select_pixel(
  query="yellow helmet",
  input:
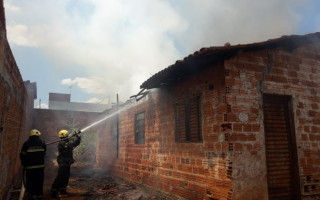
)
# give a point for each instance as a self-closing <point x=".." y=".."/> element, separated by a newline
<point x="63" y="133"/>
<point x="34" y="132"/>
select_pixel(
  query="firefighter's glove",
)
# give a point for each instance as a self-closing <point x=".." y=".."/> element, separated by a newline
<point x="78" y="134"/>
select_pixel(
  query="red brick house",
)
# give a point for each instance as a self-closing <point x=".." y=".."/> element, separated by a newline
<point x="233" y="122"/>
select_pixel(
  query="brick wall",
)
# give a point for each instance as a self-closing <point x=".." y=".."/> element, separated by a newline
<point x="14" y="107"/>
<point x="230" y="163"/>
<point x="245" y="119"/>
<point x="282" y="72"/>
<point x="191" y="170"/>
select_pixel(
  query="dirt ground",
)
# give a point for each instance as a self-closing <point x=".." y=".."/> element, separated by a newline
<point x="90" y="183"/>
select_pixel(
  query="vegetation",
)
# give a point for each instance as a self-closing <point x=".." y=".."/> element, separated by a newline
<point x="86" y="151"/>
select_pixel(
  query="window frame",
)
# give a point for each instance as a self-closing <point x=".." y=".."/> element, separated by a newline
<point x="188" y="123"/>
<point x="138" y="128"/>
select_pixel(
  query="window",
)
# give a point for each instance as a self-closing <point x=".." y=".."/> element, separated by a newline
<point x="139" y="129"/>
<point x="188" y="120"/>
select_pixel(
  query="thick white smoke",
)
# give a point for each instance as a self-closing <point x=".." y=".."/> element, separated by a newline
<point x="117" y="45"/>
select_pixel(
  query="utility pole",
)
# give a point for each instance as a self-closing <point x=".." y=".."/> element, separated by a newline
<point x="117" y="125"/>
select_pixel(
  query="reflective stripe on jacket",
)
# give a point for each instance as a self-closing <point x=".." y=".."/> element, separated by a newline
<point x="34" y="167"/>
<point x="36" y="150"/>
<point x="32" y="153"/>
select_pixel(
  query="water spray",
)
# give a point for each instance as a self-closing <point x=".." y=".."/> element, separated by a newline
<point x="93" y="124"/>
<point x="137" y="97"/>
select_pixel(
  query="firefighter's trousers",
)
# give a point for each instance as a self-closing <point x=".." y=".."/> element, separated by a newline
<point x="62" y="179"/>
<point x="34" y="183"/>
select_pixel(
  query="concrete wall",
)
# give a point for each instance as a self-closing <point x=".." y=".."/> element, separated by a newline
<point x="230" y="163"/>
<point x="77" y="106"/>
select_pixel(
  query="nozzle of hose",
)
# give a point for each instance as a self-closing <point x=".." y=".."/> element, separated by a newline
<point x="77" y="133"/>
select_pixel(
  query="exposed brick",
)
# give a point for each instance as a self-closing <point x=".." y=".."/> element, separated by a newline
<point x="304" y="137"/>
<point x="237" y="146"/>
<point x="237" y="127"/>
<point x="227" y="89"/>
<point x="16" y="103"/>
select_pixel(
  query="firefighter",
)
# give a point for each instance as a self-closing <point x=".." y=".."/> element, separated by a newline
<point x="64" y="159"/>
<point x="32" y="159"/>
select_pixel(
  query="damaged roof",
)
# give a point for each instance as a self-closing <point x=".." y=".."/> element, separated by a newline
<point x="206" y="57"/>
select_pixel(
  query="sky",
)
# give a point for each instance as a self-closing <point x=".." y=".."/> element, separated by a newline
<point x="96" y="49"/>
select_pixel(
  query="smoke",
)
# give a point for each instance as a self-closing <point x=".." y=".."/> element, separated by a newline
<point x="239" y="21"/>
<point x="107" y="47"/>
<point x="95" y="85"/>
<point x="95" y="100"/>
<point x="124" y="107"/>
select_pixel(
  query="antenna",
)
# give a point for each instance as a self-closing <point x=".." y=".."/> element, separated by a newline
<point x="70" y="88"/>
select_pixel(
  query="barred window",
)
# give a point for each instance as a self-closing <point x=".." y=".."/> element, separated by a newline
<point x="188" y="120"/>
<point x="139" y="136"/>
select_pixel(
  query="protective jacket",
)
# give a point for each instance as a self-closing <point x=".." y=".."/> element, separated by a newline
<point x="32" y="153"/>
<point x="65" y="159"/>
<point x="65" y="148"/>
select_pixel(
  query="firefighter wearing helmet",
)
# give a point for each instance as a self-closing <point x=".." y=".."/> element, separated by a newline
<point x="64" y="159"/>
<point x="32" y="159"/>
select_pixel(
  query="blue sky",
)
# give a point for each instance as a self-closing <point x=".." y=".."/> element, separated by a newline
<point x="103" y="47"/>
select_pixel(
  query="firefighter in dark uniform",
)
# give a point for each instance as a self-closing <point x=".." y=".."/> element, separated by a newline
<point x="32" y="159"/>
<point x="64" y="159"/>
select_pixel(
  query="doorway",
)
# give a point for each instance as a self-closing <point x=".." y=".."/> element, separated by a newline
<point x="281" y="151"/>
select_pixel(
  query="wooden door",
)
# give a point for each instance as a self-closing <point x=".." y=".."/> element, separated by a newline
<point x="281" y="153"/>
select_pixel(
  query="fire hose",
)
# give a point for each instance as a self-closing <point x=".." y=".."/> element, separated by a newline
<point x="66" y="138"/>
<point x="23" y="186"/>
<point x="93" y="124"/>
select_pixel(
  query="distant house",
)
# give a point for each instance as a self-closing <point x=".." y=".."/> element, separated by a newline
<point x="59" y="101"/>
<point x="231" y="122"/>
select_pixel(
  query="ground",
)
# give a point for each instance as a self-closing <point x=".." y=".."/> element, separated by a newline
<point x="90" y="183"/>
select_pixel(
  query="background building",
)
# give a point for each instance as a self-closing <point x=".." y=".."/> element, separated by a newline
<point x="58" y="101"/>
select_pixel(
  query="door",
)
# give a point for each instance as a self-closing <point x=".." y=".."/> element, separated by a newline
<point x="281" y="153"/>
